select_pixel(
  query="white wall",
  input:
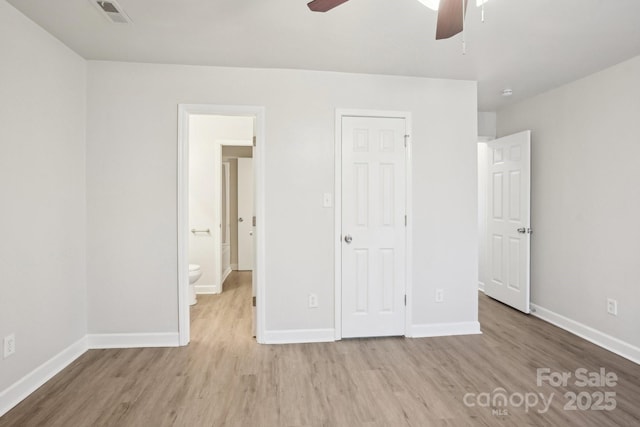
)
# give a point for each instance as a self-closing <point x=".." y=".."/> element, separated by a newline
<point x="42" y="188"/>
<point x="586" y="197"/>
<point x="205" y="134"/>
<point x="131" y="160"/>
<point x="487" y="124"/>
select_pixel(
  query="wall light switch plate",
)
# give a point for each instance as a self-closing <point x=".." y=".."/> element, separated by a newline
<point x="327" y="200"/>
<point x="313" y="301"/>
<point x="9" y="345"/>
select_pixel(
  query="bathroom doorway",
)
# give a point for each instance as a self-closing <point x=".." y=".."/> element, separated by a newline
<point x="213" y="140"/>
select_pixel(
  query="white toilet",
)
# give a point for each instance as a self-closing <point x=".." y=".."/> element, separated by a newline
<point x="194" y="275"/>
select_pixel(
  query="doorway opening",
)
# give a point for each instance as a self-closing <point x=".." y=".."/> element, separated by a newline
<point x="504" y="219"/>
<point x="213" y="141"/>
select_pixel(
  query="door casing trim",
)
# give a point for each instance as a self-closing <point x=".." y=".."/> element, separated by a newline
<point x="340" y="113"/>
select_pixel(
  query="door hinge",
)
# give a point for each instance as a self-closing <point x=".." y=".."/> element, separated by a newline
<point x="405" y="220"/>
<point x="406" y="140"/>
<point x="254" y="221"/>
<point x="405" y="299"/>
<point x="254" y="141"/>
<point x="254" y="301"/>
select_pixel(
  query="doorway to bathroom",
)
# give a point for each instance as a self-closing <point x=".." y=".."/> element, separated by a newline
<point x="220" y="207"/>
<point x="220" y="147"/>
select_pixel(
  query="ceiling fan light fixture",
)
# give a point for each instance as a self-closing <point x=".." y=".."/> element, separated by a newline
<point x="434" y="4"/>
<point x="431" y="4"/>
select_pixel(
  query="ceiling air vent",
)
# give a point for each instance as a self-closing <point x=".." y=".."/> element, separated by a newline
<point x="112" y="11"/>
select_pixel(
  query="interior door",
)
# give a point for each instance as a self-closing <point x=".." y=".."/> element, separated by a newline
<point x="245" y="214"/>
<point x="373" y="226"/>
<point x="508" y="222"/>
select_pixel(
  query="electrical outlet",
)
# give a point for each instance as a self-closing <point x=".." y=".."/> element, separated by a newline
<point x="9" y="345"/>
<point x="612" y="306"/>
<point x="313" y="301"/>
<point x="439" y="295"/>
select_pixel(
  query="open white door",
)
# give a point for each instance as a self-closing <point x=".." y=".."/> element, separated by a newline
<point x="373" y="226"/>
<point x="245" y="214"/>
<point x="508" y="222"/>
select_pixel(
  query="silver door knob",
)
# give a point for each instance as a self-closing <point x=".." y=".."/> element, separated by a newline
<point x="240" y="220"/>
<point x="348" y="239"/>
<point x="522" y="230"/>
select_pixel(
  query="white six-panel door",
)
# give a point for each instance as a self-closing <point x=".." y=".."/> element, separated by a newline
<point x="373" y="226"/>
<point x="508" y="222"/>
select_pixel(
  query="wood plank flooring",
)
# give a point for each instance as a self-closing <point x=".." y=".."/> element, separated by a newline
<point x="223" y="378"/>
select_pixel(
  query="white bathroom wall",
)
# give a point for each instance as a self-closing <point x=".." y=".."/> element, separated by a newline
<point x="586" y="202"/>
<point x="42" y="189"/>
<point x="204" y="134"/>
<point x="131" y="160"/>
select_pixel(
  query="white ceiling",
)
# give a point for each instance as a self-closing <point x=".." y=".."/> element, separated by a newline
<point x="529" y="46"/>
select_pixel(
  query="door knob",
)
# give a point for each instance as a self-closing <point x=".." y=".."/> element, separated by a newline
<point x="348" y="239"/>
<point x="522" y="230"/>
<point x="240" y="220"/>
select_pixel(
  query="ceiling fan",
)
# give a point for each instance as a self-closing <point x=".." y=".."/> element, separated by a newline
<point x="450" y="15"/>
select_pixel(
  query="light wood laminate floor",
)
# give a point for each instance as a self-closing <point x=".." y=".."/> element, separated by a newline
<point x="223" y="378"/>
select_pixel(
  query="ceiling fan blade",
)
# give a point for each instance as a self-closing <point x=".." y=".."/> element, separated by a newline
<point x="324" y="5"/>
<point x="449" y="18"/>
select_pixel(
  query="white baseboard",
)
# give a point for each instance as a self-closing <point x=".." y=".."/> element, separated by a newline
<point x="206" y="290"/>
<point x="481" y="286"/>
<point x="615" y="345"/>
<point x="22" y="388"/>
<point x="169" y="339"/>
<point x="294" y="336"/>
<point x="444" y="329"/>
<point x="226" y="274"/>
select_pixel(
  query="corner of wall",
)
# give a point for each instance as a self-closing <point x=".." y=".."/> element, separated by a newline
<point x="22" y="388"/>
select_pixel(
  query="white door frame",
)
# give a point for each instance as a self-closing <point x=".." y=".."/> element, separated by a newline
<point x="184" y="111"/>
<point x="340" y="113"/>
